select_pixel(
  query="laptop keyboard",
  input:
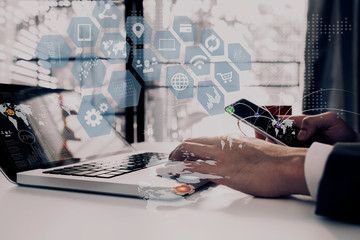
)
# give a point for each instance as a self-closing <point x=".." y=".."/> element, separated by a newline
<point x="109" y="169"/>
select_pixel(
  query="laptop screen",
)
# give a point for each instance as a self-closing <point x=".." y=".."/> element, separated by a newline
<point x="40" y="128"/>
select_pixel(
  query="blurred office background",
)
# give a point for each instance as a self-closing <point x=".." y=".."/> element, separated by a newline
<point x="273" y="32"/>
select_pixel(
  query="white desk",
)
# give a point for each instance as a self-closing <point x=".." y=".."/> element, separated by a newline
<point x="215" y="213"/>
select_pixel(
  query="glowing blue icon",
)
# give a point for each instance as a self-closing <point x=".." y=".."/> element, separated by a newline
<point x="185" y="29"/>
<point x="212" y="42"/>
<point x="124" y="88"/>
<point x="167" y="45"/>
<point x="211" y="98"/>
<point x="179" y="82"/>
<point x="114" y="46"/>
<point x="198" y="61"/>
<point x="96" y="115"/>
<point x="256" y="115"/>
<point x="89" y="70"/>
<point x="146" y="64"/>
<point x="239" y="56"/>
<point x="53" y="52"/>
<point x="227" y="76"/>
<point x="107" y="14"/>
<point x="138" y="30"/>
<point x="83" y="32"/>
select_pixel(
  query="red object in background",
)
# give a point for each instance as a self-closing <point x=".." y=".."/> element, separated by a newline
<point x="279" y="110"/>
<point x="276" y="110"/>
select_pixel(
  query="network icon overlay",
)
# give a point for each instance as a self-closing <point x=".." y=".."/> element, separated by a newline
<point x="192" y="53"/>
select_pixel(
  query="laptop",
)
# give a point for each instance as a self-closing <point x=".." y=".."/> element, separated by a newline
<point x="43" y="144"/>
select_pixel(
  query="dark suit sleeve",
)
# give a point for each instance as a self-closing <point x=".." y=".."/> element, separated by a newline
<point x="339" y="190"/>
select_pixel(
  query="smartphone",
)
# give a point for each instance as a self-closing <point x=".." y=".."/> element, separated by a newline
<point x="280" y="130"/>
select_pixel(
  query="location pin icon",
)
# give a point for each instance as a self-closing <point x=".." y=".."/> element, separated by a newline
<point x="138" y="29"/>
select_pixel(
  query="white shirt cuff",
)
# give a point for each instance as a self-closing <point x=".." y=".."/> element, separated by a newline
<point x="315" y="161"/>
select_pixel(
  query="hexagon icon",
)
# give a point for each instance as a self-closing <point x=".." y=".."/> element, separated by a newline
<point x="114" y="46"/>
<point x="107" y="14"/>
<point x="146" y="64"/>
<point x="89" y="70"/>
<point x="198" y="61"/>
<point x="124" y="88"/>
<point x="96" y="115"/>
<point x="212" y="42"/>
<point x="53" y="52"/>
<point x="239" y="56"/>
<point x="185" y="28"/>
<point x="83" y="32"/>
<point x="138" y="30"/>
<point x="227" y="76"/>
<point x="211" y="98"/>
<point x="167" y="45"/>
<point x="179" y="82"/>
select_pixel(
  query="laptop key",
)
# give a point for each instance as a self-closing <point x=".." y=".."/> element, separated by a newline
<point x="109" y="169"/>
<point x="57" y="171"/>
<point x="82" y="173"/>
<point x="94" y="174"/>
<point x="120" y="171"/>
<point x="69" y="172"/>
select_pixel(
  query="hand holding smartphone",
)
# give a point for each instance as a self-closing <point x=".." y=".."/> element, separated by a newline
<point x="280" y="130"/>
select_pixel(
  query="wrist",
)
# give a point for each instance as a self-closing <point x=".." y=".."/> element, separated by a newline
<point x="294" y="172"/>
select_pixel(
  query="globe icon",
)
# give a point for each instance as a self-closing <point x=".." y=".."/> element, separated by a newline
<point x="179" y="81"/>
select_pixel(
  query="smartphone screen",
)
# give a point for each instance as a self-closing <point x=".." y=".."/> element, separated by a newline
<point x="280" y="130"/>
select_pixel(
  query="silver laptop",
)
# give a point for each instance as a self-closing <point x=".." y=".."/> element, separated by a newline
<point x="43" y="144"/>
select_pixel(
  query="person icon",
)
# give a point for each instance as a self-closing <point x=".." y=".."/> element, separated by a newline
<point x="138" y="64"/>
<point x="148" y="68"/>
<point x="154" y="61"/>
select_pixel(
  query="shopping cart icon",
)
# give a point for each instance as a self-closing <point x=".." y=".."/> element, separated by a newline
<point x="226" y="77"/>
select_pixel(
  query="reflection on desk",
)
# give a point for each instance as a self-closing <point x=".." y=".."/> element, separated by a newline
<point x="216" y="212"/>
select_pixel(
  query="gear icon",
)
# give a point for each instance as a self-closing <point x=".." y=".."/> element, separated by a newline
<point x="93" y="117"/>
<point x="103" y="107"/>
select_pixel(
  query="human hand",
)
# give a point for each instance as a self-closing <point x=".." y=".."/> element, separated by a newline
<point x="246" y="164"/>
<point x="326" y="128"/>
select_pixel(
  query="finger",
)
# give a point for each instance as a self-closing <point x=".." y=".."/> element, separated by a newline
<point x="173" y="151"/>
<point x="172" y="169"/>
<point x="200" y="166"/>
<point x="204" y="140"/>
<point x="312" y="124"/>
<point x="193" y="151"/>
<point x="200" y="169"/>
<point x="181" y="153"/>
<point x="200" y="140"/>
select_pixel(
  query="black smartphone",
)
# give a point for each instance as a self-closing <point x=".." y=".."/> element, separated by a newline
<point x="280" y="130"/>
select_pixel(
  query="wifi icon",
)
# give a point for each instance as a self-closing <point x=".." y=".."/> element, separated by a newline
<point x="197" y="60"/>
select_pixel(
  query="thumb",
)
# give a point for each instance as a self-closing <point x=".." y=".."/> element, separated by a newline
<point x="312" y="124"/>
<point x="309" y="127"/>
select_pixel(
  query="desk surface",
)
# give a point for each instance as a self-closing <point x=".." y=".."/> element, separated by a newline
<point x="214" y="213"/>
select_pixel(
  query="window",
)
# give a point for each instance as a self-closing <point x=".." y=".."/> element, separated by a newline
<point x="272" y="32"/>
